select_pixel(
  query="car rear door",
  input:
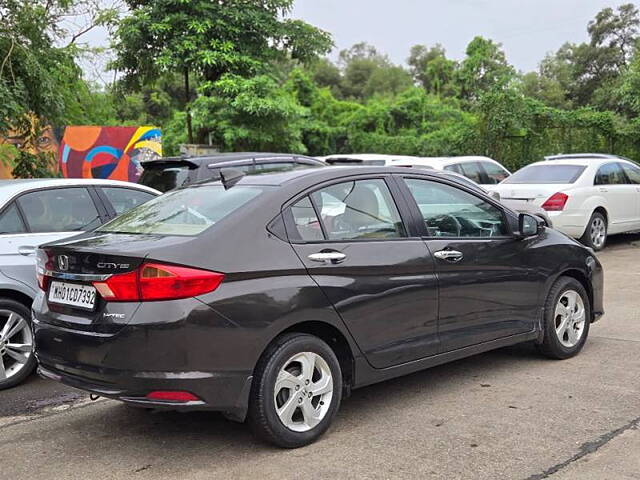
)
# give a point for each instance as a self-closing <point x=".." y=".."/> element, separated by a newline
<point x="487" y="282"/>
<point x="118" y="200"/>
<point x="632" y="173"/>
<point x="621" y="197"/>
<point x="352" y="238"/>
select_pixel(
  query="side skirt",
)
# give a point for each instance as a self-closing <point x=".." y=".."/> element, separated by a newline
<point x="367" y="375"/>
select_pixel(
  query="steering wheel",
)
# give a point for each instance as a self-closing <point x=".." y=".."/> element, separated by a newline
<point x="447" y="223"/>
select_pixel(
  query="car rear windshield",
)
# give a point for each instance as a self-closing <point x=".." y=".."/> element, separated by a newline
<point x="185" y="212"/>
<point x="165" y="177"/>
<point x="547" y="174"/>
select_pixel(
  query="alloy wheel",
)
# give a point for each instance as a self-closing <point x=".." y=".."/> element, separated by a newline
<point x="303" y="391"/>
<point x="16" y="344"/>
<point x="598" y="232"/>
<point x="570" y="317"/>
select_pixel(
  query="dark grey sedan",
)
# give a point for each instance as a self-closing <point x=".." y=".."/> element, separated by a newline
<point x="271" y="297"/>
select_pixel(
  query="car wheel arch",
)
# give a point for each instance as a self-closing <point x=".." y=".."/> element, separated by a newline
<point x="332" y="336"/>
<point x="16" y="295"/>
<point x="577" y="275"/>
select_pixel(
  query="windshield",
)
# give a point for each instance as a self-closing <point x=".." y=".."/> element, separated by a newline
<point x="547" y="174"/>
<point x="165" y="178"/>
<point x="185" y="212"/>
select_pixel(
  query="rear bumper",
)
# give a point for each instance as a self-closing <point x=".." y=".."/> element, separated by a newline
<point x="228" y="394"/>
<point x="570" y="223"/>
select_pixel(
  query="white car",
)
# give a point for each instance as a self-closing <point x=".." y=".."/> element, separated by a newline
<point x="587" y="196"/>
<point x="482" y="170"/>
<point x="33" y="212"/>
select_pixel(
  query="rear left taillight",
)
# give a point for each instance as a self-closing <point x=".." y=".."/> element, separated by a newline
<point x="155" y="281"/>
<point x="556" y="202"/>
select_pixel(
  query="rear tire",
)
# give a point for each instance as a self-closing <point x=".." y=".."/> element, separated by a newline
<point x="296" y="391"/>
<point x="17" y="360"/>
<point x="567" y="317"/>
<point x="595" y="235"/>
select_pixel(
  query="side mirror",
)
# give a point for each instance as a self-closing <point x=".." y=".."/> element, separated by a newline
<point x="529" y="226"/>
<point x="495" y="195"/>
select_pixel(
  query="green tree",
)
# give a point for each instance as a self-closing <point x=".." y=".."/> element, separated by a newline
<point x="207" y="40"/>
<point x="432" y="69"/>
<point x="484" y="68"/>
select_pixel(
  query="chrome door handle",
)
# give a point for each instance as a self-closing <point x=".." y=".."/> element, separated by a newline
<point x="324" y="257"/>
<point x="26" y="250"/>
<point x="449" y="255"/>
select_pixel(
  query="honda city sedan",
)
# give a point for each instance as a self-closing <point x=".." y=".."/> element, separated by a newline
<point x="270" y="297"/>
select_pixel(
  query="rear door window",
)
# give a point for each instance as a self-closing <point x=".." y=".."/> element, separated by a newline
<point x="359" y="210"/>
<point x="10" y="221"/>
<point x="473" y="171"/>
<point x="306" y="221"/>
<point x="610" y="174"/>
<point x="59" y="210"/>
<point x="123" y="199"/>
<point x="632" y="172"/>
<point x="495" y="173"/>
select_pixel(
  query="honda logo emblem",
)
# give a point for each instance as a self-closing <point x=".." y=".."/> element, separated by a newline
<point x="63" y="262"/>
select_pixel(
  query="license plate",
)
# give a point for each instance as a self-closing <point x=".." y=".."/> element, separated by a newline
<point x="83" y="296"/>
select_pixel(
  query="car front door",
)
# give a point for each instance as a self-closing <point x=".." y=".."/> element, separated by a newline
<point x="354" y="243"/>
<point x="612" y="184"/>
<point x="44" y="216"/>
<point x="487" y="286"/>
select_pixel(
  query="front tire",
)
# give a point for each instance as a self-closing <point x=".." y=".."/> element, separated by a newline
<point x="17" y="360"/>
<point x="595" y="236"/>
<point x="296" y="391"/>
<point x="567" y="317"/>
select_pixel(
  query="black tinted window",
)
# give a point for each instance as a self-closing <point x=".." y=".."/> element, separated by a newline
<point x="165" y="178"/>
<point x="610" y="174"/>
<point x="547" y="173"/>
<point x="451" y="212"/>
<point x="123" y="199"/>
<point x="473" y="171"/>
<point x="59" y="210"/>
<point x="10" y="221"/>
<point x="306" y="221"/>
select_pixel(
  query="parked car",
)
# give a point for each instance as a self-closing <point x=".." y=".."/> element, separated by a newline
<point x="174" y="172"/>
<point x="270" y="297"/>
<point x="33" y="212"/>
<point x="588" y="196"/>
<point x="482" y="170"/>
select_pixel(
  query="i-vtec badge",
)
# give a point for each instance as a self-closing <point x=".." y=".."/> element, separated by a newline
<point x="113" y="315"/>
<point x="113" y="266"/>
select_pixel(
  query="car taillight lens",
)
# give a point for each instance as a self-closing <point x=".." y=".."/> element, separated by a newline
<point x="556" y="202"/>
<point x="154" y="281"/>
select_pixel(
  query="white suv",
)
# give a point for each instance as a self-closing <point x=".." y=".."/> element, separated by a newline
<point x="587" y="196"/>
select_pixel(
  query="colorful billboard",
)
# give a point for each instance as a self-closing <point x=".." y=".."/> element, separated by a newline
<point x="116" y="153"/>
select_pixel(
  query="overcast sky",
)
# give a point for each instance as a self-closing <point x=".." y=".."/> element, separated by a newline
<point x="528" y="29"/>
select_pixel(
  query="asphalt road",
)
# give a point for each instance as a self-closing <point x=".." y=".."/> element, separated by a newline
<point x="506" y="414"/>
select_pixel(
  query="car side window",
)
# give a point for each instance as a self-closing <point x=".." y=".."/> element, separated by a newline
<point x="10" y="221"/>
<point x="450" y="212"/>
<point x="123" y="199"/>
<point x="59" y="210"/>
<point x="306" y="221"/>
<point x="610" y="174"/>
<point x="359" y="210"/>
<point x="495" y="173"/>
<point x="632" y="172"/>
<point x="276" y="167"/>
<point x="473" y="171"/>
<point x="455" y="168"/>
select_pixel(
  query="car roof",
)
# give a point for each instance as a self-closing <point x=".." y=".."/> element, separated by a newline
<point x="317" y="175"/>
<point x="589" y="162"/>
<point x="585" y="156"/>
<point x="11" y="188"/>
<point x="196" y="161"/>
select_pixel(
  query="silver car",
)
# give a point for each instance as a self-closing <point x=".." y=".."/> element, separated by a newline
<point x="33" y="212"/>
